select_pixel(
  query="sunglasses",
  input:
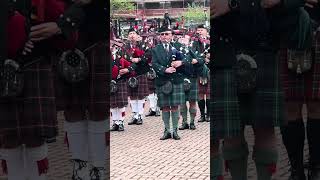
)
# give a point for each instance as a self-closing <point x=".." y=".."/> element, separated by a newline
<point x="162" y="34"/>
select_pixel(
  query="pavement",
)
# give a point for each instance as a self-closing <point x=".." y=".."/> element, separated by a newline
<point x="137" y="153"/>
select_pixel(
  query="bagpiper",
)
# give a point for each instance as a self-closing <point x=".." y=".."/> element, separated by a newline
<point x="134" y="51"/>
<point x="27" y="102"/>
<point x="167" y="62"/>
<point x="81" y="86"/>
<point x="193" y="67"/>
<point x="201" y="45"/>
<point x="302" y="86"/>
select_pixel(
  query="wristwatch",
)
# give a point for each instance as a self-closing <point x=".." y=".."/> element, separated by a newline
<point x="233" y="4"/>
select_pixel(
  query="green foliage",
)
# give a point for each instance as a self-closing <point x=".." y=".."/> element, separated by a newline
<point x="121" y="5"/>
<point x="195" y="12"/>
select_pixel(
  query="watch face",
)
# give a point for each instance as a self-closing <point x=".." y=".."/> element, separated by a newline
<point x="233" y="3"/>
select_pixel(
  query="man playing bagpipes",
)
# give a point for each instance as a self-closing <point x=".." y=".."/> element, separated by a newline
<point x="134" y="51"/>
<point x="27" y="103"/>
<point x="193" y="68"/>
<point x="167" y="62"/>
<point x="82" y="92"/>
<point x="201" y="45"/>
<point x="119" y="87"/>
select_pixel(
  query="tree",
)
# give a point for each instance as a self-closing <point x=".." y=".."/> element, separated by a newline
<point x="121" y="5"/>
<point x="195" y="13"/>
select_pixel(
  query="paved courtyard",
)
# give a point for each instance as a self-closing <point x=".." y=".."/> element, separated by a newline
<point x="137" y="153"/>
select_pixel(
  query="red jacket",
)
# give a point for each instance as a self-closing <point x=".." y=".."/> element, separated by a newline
<point x="115" y="69"/>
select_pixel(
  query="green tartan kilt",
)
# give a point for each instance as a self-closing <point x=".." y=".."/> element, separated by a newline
<point x="262" y="108"/>
<point x="192" y="94"/>
<point x="176" y="98"/>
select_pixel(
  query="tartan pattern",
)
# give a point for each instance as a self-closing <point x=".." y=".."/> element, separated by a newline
<point x="305" y="86"/>
<point x="142" y="90"/>
<point x="263" y="108"/>
<point x="192" y="94"/>
<point x="93" y="93"/>
<point x="176" y="98"/>
<point x="30" y="118"/>
<point x="205" y="89"/>
<point x="120" y="98"/>
<point x="151" y="86"/>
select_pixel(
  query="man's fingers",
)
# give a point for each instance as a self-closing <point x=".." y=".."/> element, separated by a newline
<point x="36" y="39"/>
<point x="308" y="5"/>
<point x="37" y="33"/>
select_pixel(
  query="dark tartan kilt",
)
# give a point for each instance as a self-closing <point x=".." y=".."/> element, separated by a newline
<point x="30" y="118"/>
<point x="192" y="94"/>
<point x="205" y="89"/>
<point x="151" y="86"/>
<point x="142" y="90"/>
<point x="91" y="94"/>
<point x="120" y="98"/>
<point x="305" y="87"/>
<point x="262" y="109"/>
<point x="176" y="98"/>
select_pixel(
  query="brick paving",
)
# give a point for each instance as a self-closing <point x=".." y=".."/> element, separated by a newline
<point x="137" y="153"/>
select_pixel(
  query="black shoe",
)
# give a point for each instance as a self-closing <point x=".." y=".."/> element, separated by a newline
<point x="208" y="118"/>
<point x="314" y="173"/>
<point x="139" y="121"/>
<point x="175" y="135"/>
<point x="114" y="127"/>
<point x="133" y="121"/>
<point x="184" y="126"/>
<point x="151" y="113"/>
<point x="121" y="127"/>
<point x="79" y="169"/>
<point x="297" y="174"/>
<point x="192" y="126"/>
<point x="202" y="119"/>
<point x="97" y="173"/>
<point x="166" y="135"/>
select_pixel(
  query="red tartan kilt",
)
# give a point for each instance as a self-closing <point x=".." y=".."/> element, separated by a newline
<point x="91" y="94"/>
<point x="152" y="86"/>
<point x="204" y="89"/>
<point x="305" y="86"/>
<point x="120" y="98"/>
<point x="30" y="118"/>
<point x="142" y="90"/>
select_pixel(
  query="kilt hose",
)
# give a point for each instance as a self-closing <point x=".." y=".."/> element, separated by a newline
<point x="91" y="94"/>
<point x="192" y="94"/>
<point x="142" y="89"/>
<point x="31" y="118"/>
<point x="262" y="108"/>
<point x="205" y="89"/>
<point x="304" y="87"/>
<point x="176" y="98"/>
<point x="120" y="98"/>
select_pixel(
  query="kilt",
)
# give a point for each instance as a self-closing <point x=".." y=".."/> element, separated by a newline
<point x="91" y="94"/>
<point x="151" y="86"/>
<point x="120" y="98"/>
<point x="304" y="87"/>
<point x="141" y="91"/>
<point x="204" y="89"/>
<point x="192" y="94"/>
<point x="262" y="108"/>
<point x="176" y="98"/>
<point x="30" y="118"/>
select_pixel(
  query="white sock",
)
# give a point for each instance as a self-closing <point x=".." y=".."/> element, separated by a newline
<point x="140" y="106"/>
<point x="97" y="143"/>
<point x="15" y="163"/>
<point x="33" y="155"/>
<point x="77" y="135"/>
<point x="122" y="113"/>
<point x="152" y="101"/>
<point x="134" y="108"/>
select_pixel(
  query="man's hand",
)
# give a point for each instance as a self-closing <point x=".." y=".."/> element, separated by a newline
<point x="170" y="70"/>
<point x="135" y="60"/>
<point x="28" y="47"/>
<point x="44" y="31"/>
<point x="219" y="8"/>
<point x="311" y="3"/>
<point x="194" y="61"/>
<point x="269" y="3"/>
<point x="123" y="71"/>
<point x="176" y="64"/>
<point x="206" y="60"/>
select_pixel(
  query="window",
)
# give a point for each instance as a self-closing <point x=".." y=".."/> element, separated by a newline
<point x="155" y="5"/>
<point x="177" y="4"/>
